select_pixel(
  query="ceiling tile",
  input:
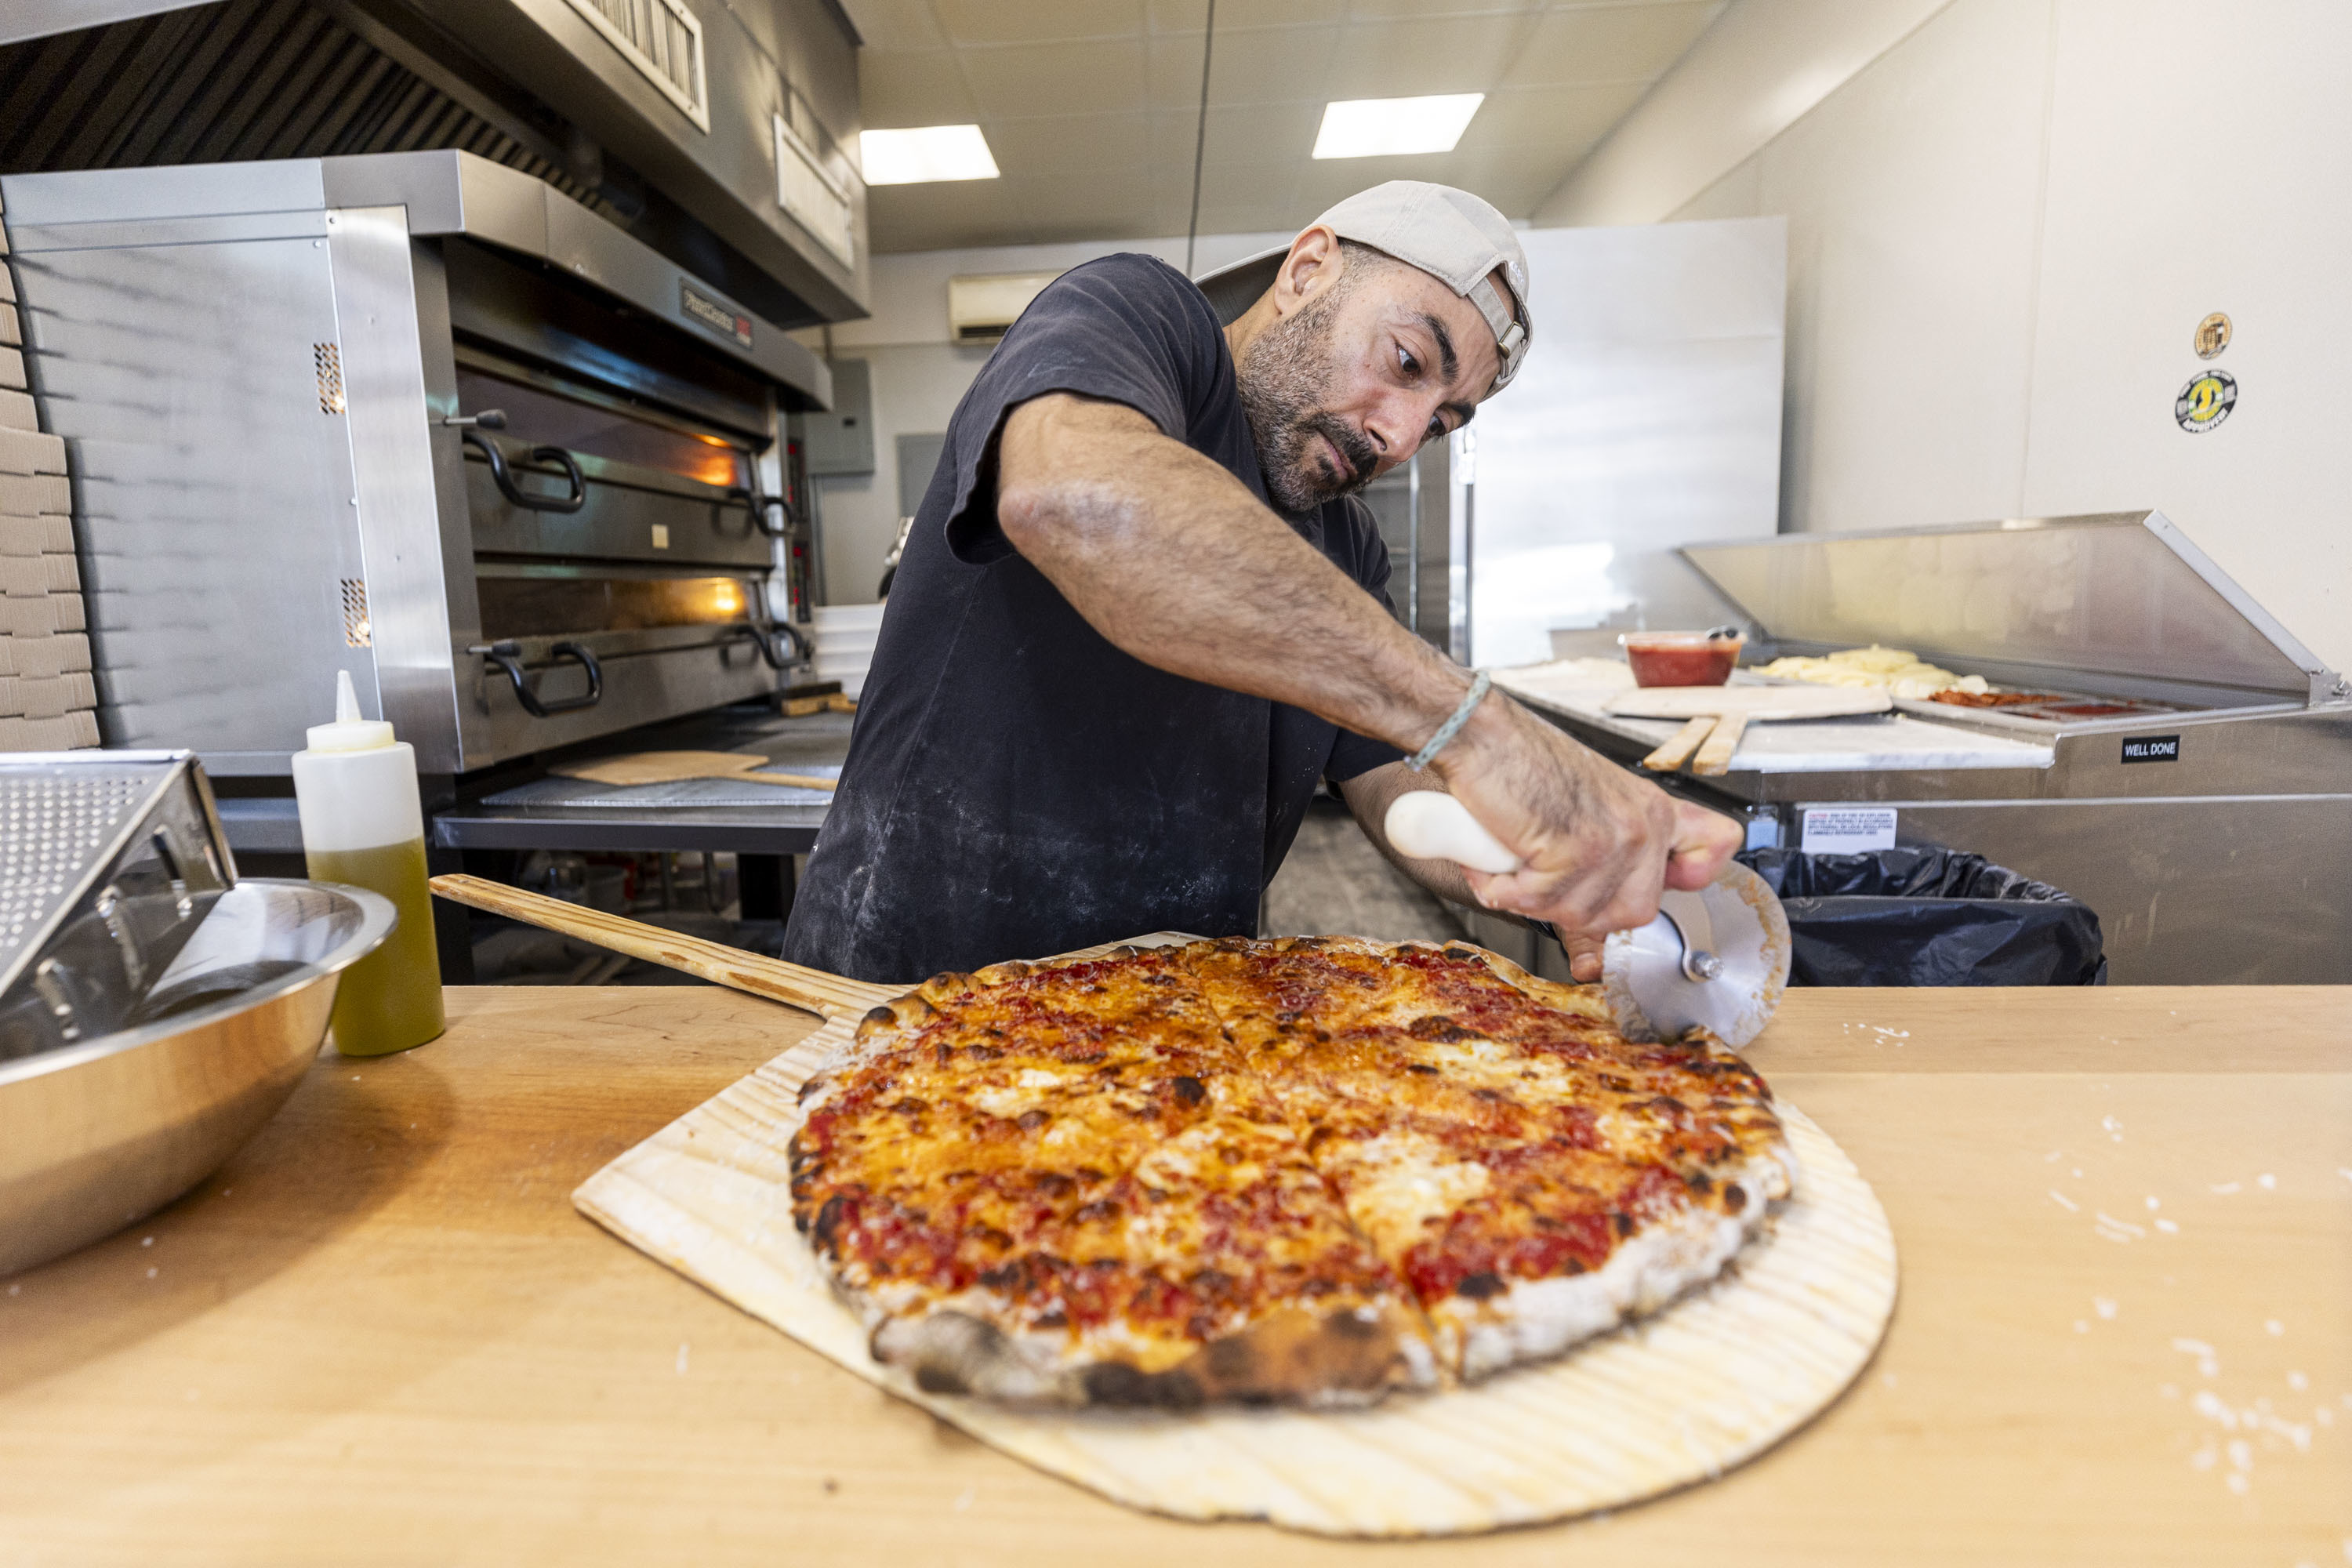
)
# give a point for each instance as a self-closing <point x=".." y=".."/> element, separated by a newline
<point x="1173" y="70"/>
<point x="1466" y="54"/>
<point x="1226" y="192"/>
<point x="1541" y="117"/>
<point x="1037" y="21"/>
<point x="1609" y="43"/>
<point x="1185" y="15"/>
<point x="1323" y="183"/>
<point x="1071" y="145"/>
<point x="1262" y="65"/>
<point x="1057" y="78"/>
<point x="942" y="217"/>
<point x="1088" y="208"/>
<point x="896" y="24"/>
<point x="1090" y="104"/>
<point x="922" y="87"/>
<point x="1248" y="214"/>
<point x="1400" y="10"/>
<point x="1275" y="65"/>
<point x="1270" y="134"/>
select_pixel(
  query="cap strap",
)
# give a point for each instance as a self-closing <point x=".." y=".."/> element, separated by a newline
<point x="1510" y="336"/>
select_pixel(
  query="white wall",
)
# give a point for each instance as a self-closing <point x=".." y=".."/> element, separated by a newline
<point x="921" y="373"/>
<point x="1647" y="415"/>
<point x="2004" y="227"/>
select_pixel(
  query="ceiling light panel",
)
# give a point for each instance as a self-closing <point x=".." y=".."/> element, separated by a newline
<point x="1385" y="127"/>
<point x="926" y="154"/>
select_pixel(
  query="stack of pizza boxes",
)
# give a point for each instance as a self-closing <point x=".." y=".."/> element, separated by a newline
<point x="47" y="701"/>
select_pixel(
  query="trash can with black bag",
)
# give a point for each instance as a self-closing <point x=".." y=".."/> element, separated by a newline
<point x="1919" y="915"/>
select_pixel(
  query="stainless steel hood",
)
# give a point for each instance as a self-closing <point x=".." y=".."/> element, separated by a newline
<point x="443" y="193"/>
<point x="2126" y="598"/>
<point x="716" y="131"/>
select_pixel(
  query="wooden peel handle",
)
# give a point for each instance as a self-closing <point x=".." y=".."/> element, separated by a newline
<point x="792" y="781"/>
<point x="1713" y="759"/>
<point x="1677" y="750"/>
<point x="827" y="995"/>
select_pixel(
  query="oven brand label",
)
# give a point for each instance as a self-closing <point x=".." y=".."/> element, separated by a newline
<point x="1847" y="829"/>
<point x="724" y="319"/>
<point x="2151" y="748"/>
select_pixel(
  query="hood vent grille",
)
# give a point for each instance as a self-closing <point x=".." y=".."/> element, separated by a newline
<point x="230" y="83"/>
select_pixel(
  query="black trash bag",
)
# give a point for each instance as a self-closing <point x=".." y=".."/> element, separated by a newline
<point x="1916" y="916"/>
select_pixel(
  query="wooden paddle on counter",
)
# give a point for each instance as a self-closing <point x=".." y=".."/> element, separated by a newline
<point x="1716" y="716"/>
<point x="827" y="995"/>
<point x="671" y="767"/>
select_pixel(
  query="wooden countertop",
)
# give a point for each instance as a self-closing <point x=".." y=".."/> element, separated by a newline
<point x="381" y="1334"/>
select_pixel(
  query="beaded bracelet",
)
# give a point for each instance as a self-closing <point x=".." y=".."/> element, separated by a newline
<point x="1452" y="726"/>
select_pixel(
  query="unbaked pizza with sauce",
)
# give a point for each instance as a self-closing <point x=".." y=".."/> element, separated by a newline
<point x="1312" y="1169"/>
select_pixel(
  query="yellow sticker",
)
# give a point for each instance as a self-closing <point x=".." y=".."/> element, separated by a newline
<point x="2213" y="335"/>
<point x="2206" y="401"/>
<point x="661" y="536"/>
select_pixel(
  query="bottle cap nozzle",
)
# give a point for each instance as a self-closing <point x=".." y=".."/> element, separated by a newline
<point x="348" y="732"/>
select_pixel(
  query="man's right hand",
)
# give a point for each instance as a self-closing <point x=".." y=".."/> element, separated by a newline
<point x="1597" y="844"/>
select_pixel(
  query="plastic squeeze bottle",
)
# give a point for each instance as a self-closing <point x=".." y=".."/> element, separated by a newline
<point x="362" y="825"/>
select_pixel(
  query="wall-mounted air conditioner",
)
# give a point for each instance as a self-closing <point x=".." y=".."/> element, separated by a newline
<point x="981" y="308"/>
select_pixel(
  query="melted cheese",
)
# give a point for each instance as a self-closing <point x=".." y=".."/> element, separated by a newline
<point x="1399" y="1183"/>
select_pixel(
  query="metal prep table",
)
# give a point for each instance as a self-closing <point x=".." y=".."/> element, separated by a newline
<point x="546" y="813"/>
<point x="2194" y="788"/>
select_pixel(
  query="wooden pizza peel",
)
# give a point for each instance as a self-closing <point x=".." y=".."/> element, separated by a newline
<point x="671" y="767"/>
<point x="1670" y="1400"/>
<point x="1714" y="717"/>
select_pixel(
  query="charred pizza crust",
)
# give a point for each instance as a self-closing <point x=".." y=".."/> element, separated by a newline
<point x="1308" y="1170"/>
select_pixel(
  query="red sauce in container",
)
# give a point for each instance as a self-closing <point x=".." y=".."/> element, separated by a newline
<point x="1680" y="658"/>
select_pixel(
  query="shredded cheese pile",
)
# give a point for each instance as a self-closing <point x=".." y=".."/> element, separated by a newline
<point x="1898" y="671"/>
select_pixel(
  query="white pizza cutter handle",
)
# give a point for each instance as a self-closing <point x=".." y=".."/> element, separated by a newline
<point x="1425" y="825"/>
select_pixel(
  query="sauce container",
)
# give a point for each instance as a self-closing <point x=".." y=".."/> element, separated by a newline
<point x="1682" y="658"/>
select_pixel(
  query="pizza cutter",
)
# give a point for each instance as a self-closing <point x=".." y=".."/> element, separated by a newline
<point x="1717" y="958"/>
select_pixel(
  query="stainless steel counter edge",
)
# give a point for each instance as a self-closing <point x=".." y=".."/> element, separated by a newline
<point x="444" y="193"/>
<point x="750" y="830"/>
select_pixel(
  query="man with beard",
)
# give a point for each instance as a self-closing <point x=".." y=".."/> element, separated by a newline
<point x="1141" y="614"/>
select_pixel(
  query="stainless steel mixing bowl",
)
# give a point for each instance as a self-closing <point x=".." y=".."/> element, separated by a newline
<point x="96" y="1135"/>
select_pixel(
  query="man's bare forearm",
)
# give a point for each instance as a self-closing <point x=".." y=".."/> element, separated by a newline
<point x="1175" y="562"/>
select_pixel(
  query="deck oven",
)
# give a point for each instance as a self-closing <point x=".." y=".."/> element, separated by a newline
<point x="416" y="415"/>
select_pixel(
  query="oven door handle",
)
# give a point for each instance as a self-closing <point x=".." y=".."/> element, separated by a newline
<point x="572" y="499"/>
<point x="750" y="496"/>
<point x="508" y="656"/>
<point x="766" y="638"/>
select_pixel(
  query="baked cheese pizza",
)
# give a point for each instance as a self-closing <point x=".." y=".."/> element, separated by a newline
<point x="1312" y="1169"/>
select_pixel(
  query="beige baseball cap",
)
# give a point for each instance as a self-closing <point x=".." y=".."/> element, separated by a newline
<point x="1451" y="235"/>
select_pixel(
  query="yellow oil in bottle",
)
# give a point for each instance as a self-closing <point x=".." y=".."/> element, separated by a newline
<point x="390" y="1000"/>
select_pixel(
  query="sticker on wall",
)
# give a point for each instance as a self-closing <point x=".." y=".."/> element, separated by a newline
<point x="2206" y="401"/>
<point x="2213" y="335"/>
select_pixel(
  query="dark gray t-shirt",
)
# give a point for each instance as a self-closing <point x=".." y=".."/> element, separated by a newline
<point x="1017" y="786"/>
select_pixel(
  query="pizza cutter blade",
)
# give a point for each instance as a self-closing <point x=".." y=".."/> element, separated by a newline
<point x="1717" y="958"/>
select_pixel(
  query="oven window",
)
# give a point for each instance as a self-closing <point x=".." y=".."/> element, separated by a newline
<point x="554" y="606"/>
<point x="545" y="419"/>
